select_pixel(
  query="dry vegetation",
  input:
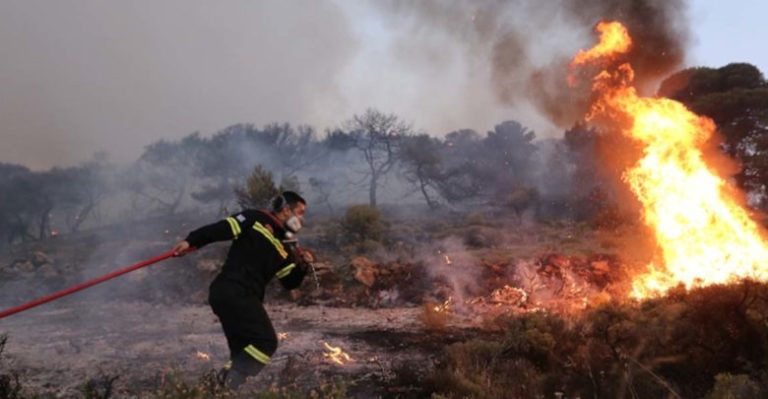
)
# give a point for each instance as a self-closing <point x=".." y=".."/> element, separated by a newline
<point x="480" y="307"/>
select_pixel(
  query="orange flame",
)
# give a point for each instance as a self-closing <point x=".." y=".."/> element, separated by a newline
<point x="202" y="356"/>
<point x="336" y="354"/>
<point x="445" y="306"/>
<point x="704" y="234"/>
<point x="614" y="41"/>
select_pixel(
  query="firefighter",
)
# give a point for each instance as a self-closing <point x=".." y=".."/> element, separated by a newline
<point x="236" y="295"/>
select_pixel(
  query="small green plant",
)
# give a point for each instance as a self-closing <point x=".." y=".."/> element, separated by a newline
<point x="258" y="190"/>
<point x="363" y="223"/>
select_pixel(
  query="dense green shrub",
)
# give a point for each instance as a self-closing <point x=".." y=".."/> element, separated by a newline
<point x="258" y="190"/>
<point x="363" y="223"/>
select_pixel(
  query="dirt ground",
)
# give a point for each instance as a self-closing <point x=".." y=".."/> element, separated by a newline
<point x="152" y="326"/>
<point x="58" y="347"/>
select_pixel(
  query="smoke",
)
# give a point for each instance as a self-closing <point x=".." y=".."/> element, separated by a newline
<point x="85" y="76"/>
<point x="453" y="267"/>
<point x="523" y="47"/>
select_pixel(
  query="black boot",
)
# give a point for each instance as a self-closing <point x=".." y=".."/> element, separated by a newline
<point x="242" y="368"/>
<point x="234" y="379"/>
<point x="222" y="374"/>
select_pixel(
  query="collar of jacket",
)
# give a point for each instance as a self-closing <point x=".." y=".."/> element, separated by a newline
<point x="278" y="230"/>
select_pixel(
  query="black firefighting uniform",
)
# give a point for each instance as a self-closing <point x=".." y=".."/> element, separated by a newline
<point x="236" y="294"/>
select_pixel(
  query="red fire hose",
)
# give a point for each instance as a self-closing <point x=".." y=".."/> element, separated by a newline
<point x="84" y="285"/>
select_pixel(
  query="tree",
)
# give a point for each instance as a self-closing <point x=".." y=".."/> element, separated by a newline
<point x="736" y="98"/>
<point x="28" y="199"/>
<point x="17" y="202"/>
<point x="509" y="151"/>
<point x="44" y="191"/>
<point x="457" y="180"/>
<point x="338" y="140"/>
<point x="291" y="150"/>
<point x="377" y="135"/>
<point x="259" y="189"/>
<point x="163" y="174"/>
<point x="89" y="185"/>
<point x="223" y="164"/>
<point x="421" y="160"/>
<point x="692" y="84"/>
<point x="496" y="168"/>
<point x="233" y="152"/>
<point x="581" y="145"/>
<point x="323" y="189"/>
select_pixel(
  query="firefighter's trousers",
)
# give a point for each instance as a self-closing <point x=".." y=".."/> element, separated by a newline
<point x="250" y="335"/>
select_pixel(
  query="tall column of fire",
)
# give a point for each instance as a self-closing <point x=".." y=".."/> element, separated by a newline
<point x="703" y="230"/>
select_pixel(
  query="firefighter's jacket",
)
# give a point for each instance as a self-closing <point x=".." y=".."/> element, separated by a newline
<point x="256" y="255"/>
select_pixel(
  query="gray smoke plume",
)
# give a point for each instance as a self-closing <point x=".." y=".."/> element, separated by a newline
<point x="524" y="46"/>
<point x="84" y="76"/>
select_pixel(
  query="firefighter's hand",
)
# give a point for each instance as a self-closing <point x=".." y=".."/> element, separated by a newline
<point x="306" y="256"/>
<point x="181" y="249"/>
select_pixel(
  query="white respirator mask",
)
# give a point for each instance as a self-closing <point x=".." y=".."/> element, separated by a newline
<point x="293" y="224"/>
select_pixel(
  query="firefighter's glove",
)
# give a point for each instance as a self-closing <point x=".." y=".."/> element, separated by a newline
<point x="305" y="256"/>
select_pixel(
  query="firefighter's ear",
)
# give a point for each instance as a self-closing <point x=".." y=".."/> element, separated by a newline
<point x="279" y="203"/>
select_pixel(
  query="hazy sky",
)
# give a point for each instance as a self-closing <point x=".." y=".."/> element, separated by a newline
<point x="729" y="31"/>
<point x="80" y="76"/>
